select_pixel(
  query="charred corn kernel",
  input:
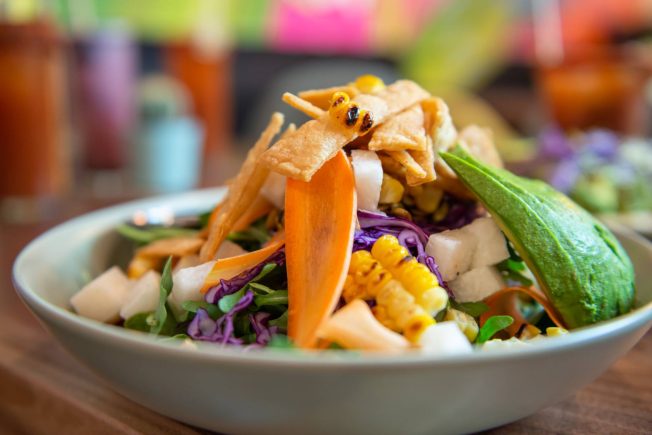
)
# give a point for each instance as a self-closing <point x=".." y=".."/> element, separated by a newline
<point x="380" y="312"/>
<point x="339" y="102"/>
<point x="368" y="84"/>
<point x="429" y="199"/>
<point x="349" y="113"/>
<point x="555" y="331"/>
<point x="398" y="211"/>
<point x="402" y="311"/>
<point x="464" y="321"/>
<point x="415" y="277"/>
<point x="395" y="307"/>
<point x="529" y="331"/>
<point x="391" y="190"/>
<point x="441" y="212"/>
<point x="366" y="276"/>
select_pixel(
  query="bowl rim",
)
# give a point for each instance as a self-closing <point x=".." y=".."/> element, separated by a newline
<point x="48" y="312"/>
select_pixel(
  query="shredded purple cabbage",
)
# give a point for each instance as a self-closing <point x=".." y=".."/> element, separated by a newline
<point x="408" y="233"/>
<point x="264" y="332"/>
<point x="202" y="327"/>
<point x="232" y="285"/>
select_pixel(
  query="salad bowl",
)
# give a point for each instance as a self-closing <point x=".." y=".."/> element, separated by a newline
<point x="288" y="391"/>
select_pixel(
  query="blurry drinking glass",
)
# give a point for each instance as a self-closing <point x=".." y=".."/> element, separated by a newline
<point x="34" y="161"/>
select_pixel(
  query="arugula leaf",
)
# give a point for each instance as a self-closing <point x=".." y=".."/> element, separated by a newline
<point x="140" y="322"/>
<point x="278" y="297"/>
<point x="279" y="341"/>
<point x="261" y="288"/>
<point x="227" y="302"/>
<point x="281" y="321"/>
<point x="175" y="337"/>
<point x="151" y="234"/>
<point x="473" y="309"/>
<point x="266" y="270"/>
<point x="192" y="306"/>
<point x="493" y="325"/>
<point x="161" y="317"/>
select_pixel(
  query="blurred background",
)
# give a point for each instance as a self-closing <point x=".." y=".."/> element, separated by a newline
<point x="116" y="99"/>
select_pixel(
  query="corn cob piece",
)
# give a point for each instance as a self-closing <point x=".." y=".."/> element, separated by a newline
<point x="415" y="277"/>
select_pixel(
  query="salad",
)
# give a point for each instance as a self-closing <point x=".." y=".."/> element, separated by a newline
<point x="375" y="226"/>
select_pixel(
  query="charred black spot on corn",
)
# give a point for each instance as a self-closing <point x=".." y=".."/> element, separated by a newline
<point x="352" y="115"/>
<point x="367" y="122"/>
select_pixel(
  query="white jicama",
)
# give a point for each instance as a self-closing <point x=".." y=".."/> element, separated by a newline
<point x="445" y="338"/>
<point x="453" y="251"/>
<point x="102" y="298"/>
<point x="187" y="284"/>
<point x="368" y="172"/>
<point x="492" y="246"/>
<point x="274" y="189"/>
<point x="476" y="284"/>
<point x="143" y="296"/>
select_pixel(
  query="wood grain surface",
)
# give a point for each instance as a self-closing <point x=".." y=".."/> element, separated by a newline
<point x="44" y="390"/>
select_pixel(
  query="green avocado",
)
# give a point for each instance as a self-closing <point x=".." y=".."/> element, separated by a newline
<point x="577" y="261"/>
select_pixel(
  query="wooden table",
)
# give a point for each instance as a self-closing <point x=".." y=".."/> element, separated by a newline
<point x="44" y="390"/>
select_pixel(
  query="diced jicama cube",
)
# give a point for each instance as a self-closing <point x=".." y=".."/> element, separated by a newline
<point x="453" y="252"/>
<point x="229" y="249"/>
<point x="491" y="245"/>
<point x="274" y="189"/>
<point x="368" y="173"/>
<point x="444" y="338"/>
<point x="143" y="296"/>
<point x="476" y="284"/>
<point x="187" y="284"/>
<point x="102" y="298"/>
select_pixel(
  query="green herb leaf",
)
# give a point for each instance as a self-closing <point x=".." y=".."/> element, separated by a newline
<point x="192" y="306"/>
<point x="140" y="322"/>
<point x="279" y="341"/>
<point x="151" y="234"/>
<point x="266" y="270"/>
<point x="278" y="297"/>
<point x="227" y="302"/>
<point x="281" y="321"/>
<point x="260" y="288"/>
<point x="473" y="309"/>
<point x="175" y="337"/>
<point x="161" y="314"/>
<point x="493" y="325"/>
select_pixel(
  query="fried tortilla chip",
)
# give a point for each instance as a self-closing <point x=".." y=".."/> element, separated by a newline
<point x="412" y="168"/>
<point x="301" y="154"/>
<point x="302" y="105"/>
<point x="480" y="143"/>
<point x="242" y="192"/>
<point x="426" y="160"/>
<point x="152" y="256"/>
<point x="322" y="97"/>
<point x="391" y="166"/>
<point x="405" y="131"/>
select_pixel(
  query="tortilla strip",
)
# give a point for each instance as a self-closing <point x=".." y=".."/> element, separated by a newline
<point x="442" y="131"/>
<point x="151" y="257"/>
<point x="322" y="97"/>
<point x="412" y="168"/>
<point x="301" y="154"/>
<point x="302" y="105"/>
<point x="242" y="192"/>
<point x="405" y="131"/>
<point x="391" y="166"/>
<point x="426" y="160"/>
<point x="480" y="143"/>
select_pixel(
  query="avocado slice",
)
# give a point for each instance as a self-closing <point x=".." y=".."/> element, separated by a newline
<point x="577" y="261"/>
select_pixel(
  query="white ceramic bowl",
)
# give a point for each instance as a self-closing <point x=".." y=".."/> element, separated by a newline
<point x="275" y="391"/>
